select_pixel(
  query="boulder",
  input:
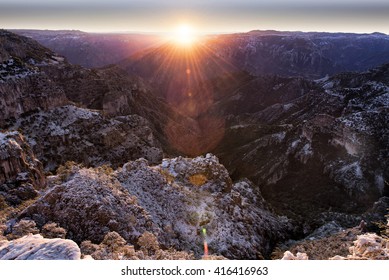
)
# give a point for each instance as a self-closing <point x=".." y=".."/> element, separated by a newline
<point x="35" y="247"/>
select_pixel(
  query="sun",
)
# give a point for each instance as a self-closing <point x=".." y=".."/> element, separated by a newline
<point x="184" y="35"/>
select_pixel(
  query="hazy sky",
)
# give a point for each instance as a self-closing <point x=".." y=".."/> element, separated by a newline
<point x="203" y="15"/>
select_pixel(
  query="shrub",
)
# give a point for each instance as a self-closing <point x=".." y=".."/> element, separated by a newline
<point x="52" y="230"/>
<point x="22" y="228"/>
<point x="169" y="177"/>
<point x="193" y="218"/>
<point x="69" y="168"/>
<point x="198" y="180"/>
<point x="113" y="247"/>
<point x="3" y="203"/>
<point x="88" y="248"/>
<point x="106" y="169"/>
<point x="148" y="243"/>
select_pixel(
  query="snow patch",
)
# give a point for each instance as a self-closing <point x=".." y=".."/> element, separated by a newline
<point x="307" y="150"/>
<point x="279" y="137"/>
<point x="354" y="168"/>
<point x="295" y="143"/>
<point x="237" y="96"/>
<point x="239" y="126"/>
<point x="57" y="130"/>
<point x="74" y="113"/>
<point x="380" y="183"/>
<point x="328" y="85"/>
<point x="288" y="106"/>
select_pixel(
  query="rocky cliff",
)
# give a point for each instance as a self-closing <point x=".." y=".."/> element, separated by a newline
<point x="70" y="133"/>
<point x="309" y="145"/>
<point x="21" y="173"/>
<point x="24" y="84"/>
<point x="51" y="101"/>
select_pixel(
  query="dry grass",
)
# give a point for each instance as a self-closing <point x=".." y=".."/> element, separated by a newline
<point x="12" y="211"/>
<point x="169" y="177"/>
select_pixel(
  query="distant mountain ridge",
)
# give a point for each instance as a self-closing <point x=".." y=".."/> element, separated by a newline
<point x="91" y="49"/>
<point x="287" y="53"/>
<point x="308" y="54"/>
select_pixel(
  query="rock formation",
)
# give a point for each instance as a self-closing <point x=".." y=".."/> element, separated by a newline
<point x="35" y="247"/>
<point x="174" y="201"/>
<point x="114" y="247"/>
<point x="24" y="84"/>
<point x="322" y="150"/>
<point x="70" y="133"/>
<point x="21" y="173"/>
<point x="89" y="204"/>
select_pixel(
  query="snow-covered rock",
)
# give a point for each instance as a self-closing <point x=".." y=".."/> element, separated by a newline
<point x="89" y="204"/>
<point x="87" y="136"/>
<point x="173" y="201"/>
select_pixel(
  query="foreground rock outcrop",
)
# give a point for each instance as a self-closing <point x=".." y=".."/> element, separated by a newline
<point x="35" y="247"/>
<point x="173" y="201"/>
<point x="89" y="204"/>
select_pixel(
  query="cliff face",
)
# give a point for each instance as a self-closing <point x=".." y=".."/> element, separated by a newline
<point x="24" y="84"/>
<point x="315" y="148"/>
<point x="29" y="93"/>
<point x="34" y="81"/>
<point x="21" y="173"/>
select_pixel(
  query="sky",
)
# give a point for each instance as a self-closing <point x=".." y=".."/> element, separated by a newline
<point x="204" y="16"/>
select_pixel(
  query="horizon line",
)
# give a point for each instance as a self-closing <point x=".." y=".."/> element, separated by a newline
<point x="129" y="32"/>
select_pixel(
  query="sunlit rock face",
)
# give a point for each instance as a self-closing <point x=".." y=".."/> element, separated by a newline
<point x="35" y="247"/>
<point x="21" y="173"/>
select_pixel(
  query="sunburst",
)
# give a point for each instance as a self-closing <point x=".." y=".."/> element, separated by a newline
<point x="184" y="35"/>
